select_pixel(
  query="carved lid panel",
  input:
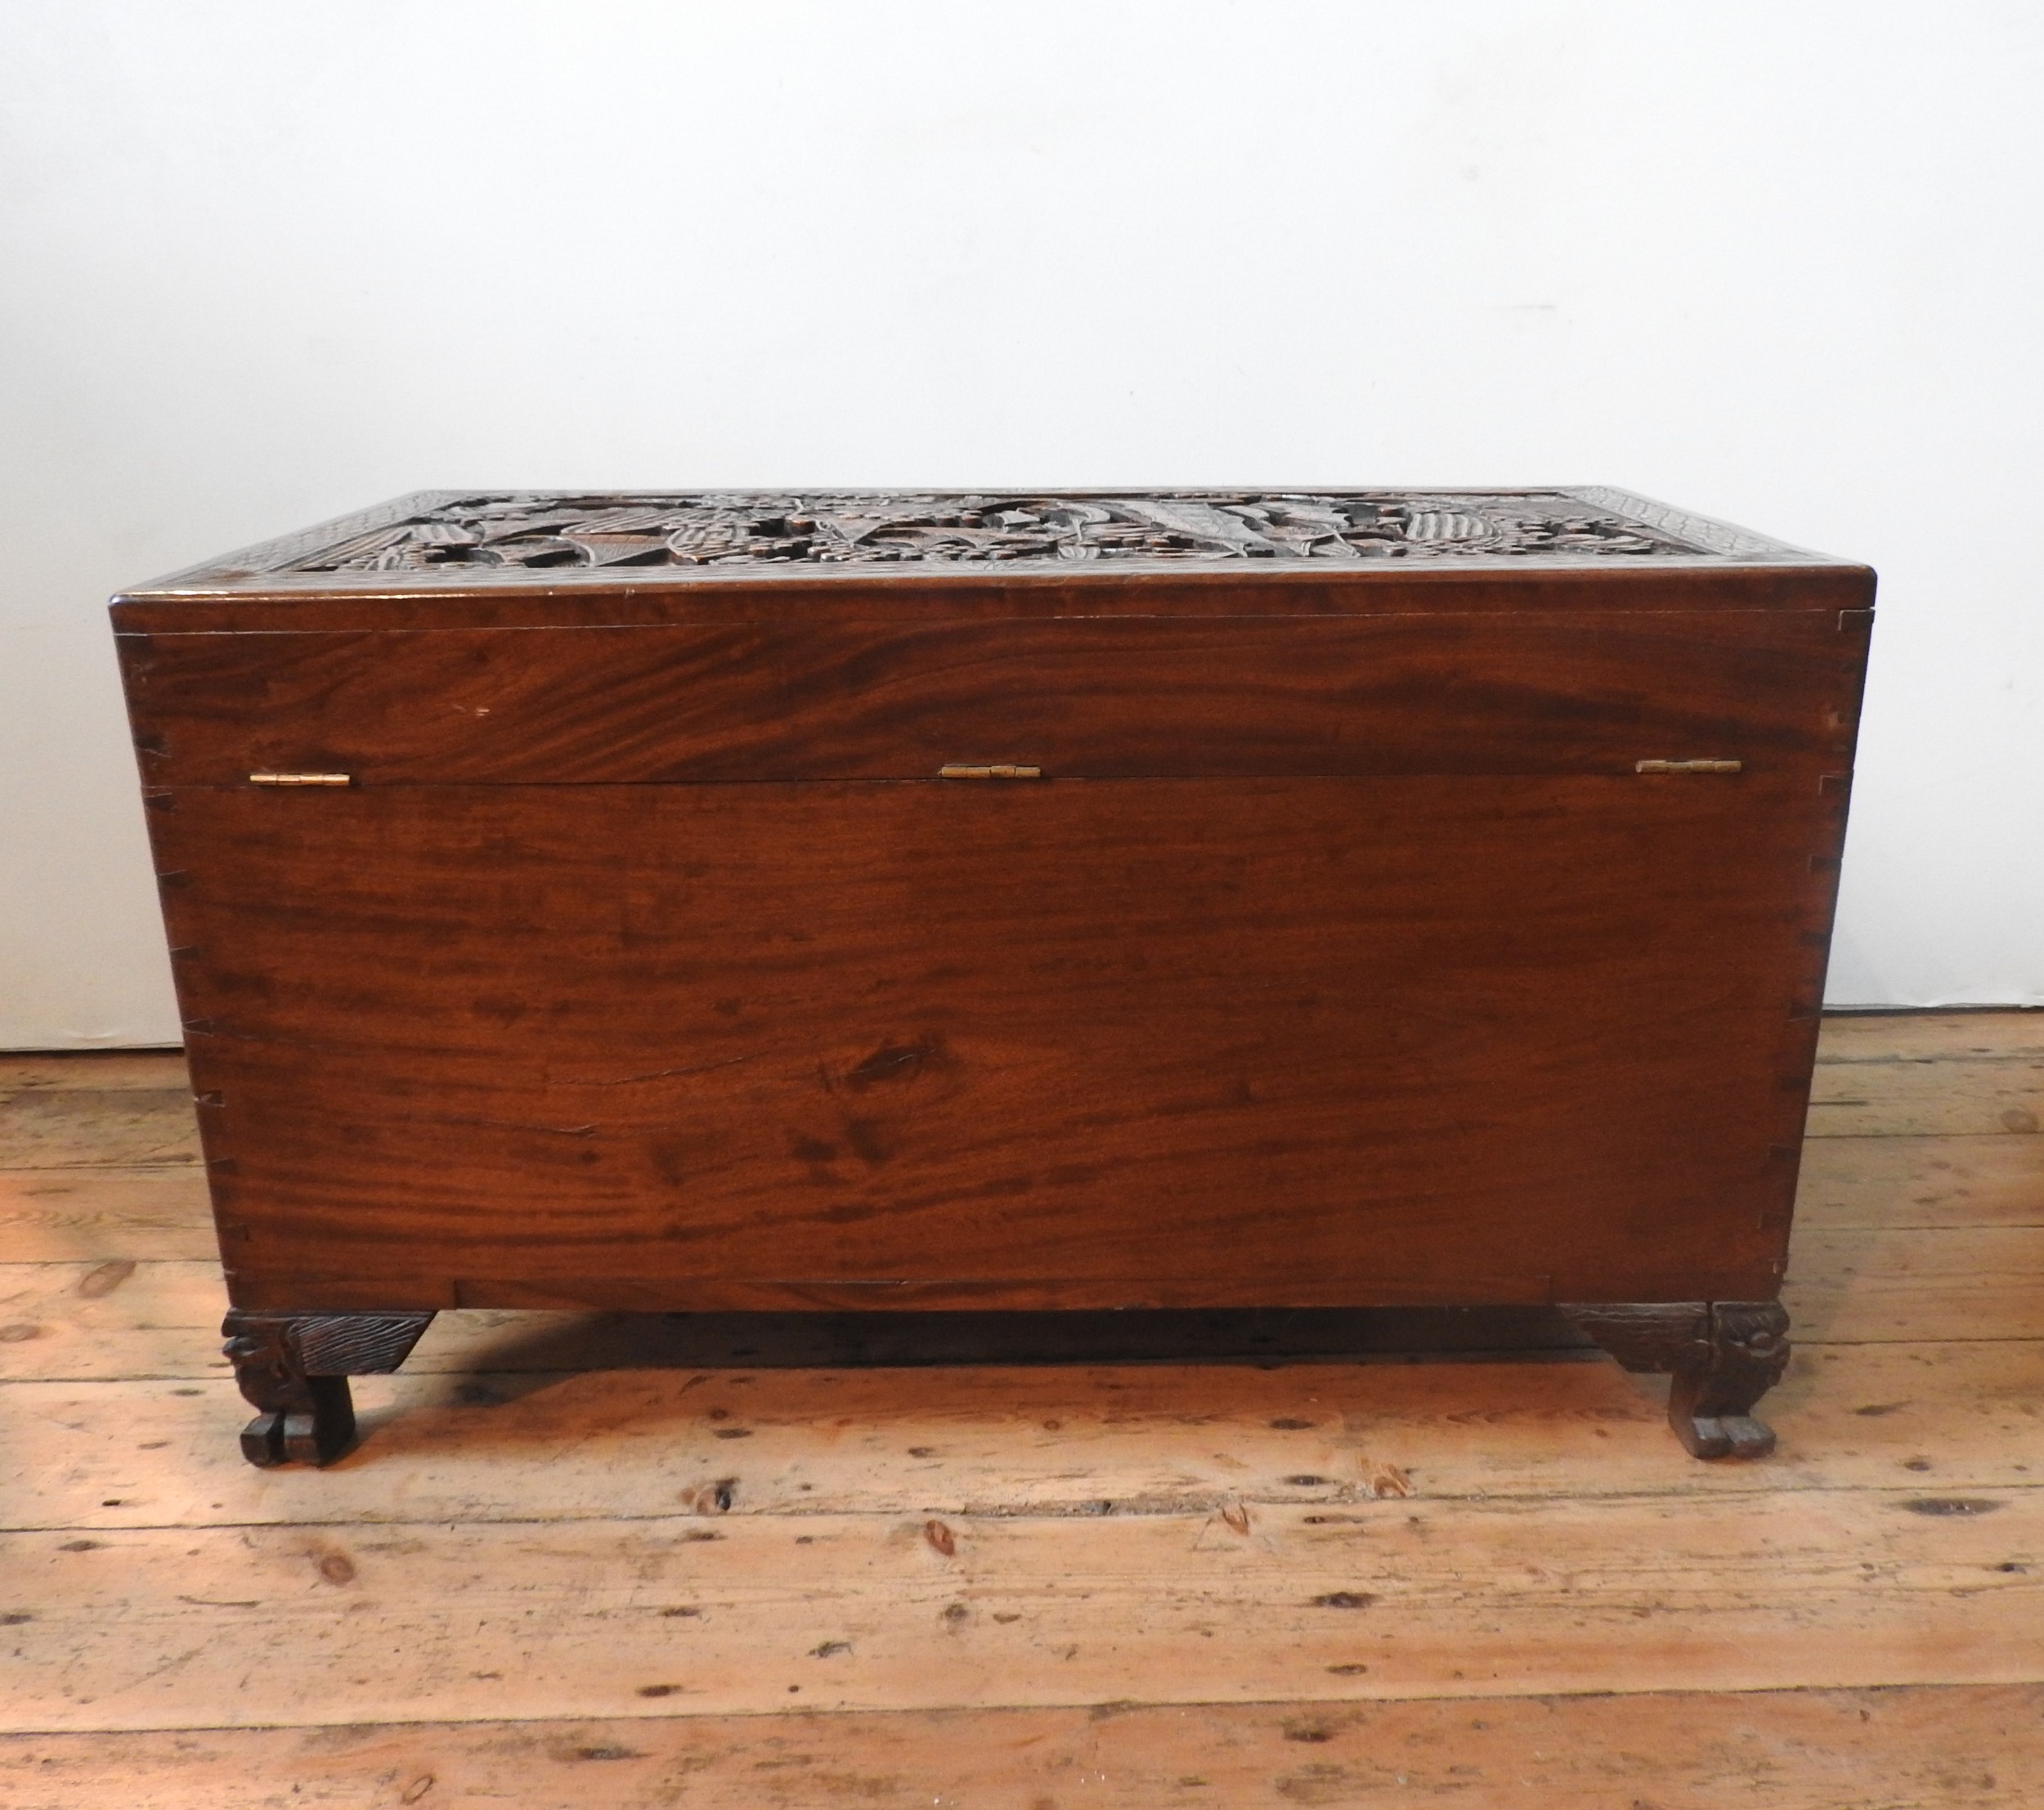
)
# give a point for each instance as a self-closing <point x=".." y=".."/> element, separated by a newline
<point x="854" y="528"/>
<point x="488" y="538"/>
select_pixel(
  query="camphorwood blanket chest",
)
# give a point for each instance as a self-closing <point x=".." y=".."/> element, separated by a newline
<point x="1000" y="900"/>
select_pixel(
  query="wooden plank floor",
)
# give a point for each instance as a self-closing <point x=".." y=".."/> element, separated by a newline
<point x="1283" y="1559"/>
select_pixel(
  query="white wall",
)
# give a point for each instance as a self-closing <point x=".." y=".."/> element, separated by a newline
<point x="1778" y="261"/>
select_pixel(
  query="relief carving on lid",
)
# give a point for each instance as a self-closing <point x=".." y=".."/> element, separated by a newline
<point x="539" y="532"/>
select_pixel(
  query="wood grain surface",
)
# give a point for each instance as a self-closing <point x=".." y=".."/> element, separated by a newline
<point x="1514" y="1040"/>
<point x="1950" y="1748"/>
<point x="52" y="1214"/>
<point x="48" y="1214"/>
<point x="159" y="1627"/>
<point x="766" y="594"/>
<point x="57" y="1319"/>
<point x="776" y="1605"/>
<point x="1985" y="1178"/>
<point x="479" y="1435"/>
<point x="1097" y="697"/>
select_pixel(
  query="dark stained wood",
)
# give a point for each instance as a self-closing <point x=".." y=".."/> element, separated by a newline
<point x="564" y="912"/>
<point x="293" y="1369"/>
<point x="423" y="560"/>
<point x="1724" y="1354"/>
<point x="719" y="597"/>
<point x="435" y="537"/>
<point x="1127" y="697"/>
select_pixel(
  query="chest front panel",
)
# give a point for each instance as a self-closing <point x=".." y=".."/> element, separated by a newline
<point x="1341" y="1037"/>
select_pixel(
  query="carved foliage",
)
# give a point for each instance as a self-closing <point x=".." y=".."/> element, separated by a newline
<point x="541" y="532"/>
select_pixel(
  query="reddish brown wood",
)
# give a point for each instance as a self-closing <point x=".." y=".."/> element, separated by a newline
<point x="1505" y="1039"/>
<point x="1108" y="698"/>
<point x="1340" y="956"/>
<point x="721" y="597"/>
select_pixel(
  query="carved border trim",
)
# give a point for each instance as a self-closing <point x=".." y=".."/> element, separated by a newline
<point x="228" y="570"/>
<point x="1723" y="538"/>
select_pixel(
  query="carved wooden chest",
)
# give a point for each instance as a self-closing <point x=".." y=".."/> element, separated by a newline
<point x="1003" y="901"/>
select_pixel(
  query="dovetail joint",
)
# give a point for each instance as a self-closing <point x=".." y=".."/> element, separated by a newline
<point x="301" y="779"/>
<point x="1688" y="766"/>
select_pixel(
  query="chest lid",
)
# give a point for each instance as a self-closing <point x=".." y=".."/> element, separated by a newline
<point x="868" y="634"/>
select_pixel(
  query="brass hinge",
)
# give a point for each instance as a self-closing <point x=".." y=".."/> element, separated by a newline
<point x="301" y="779"/>
<point x="958" y="770"/>
<point x="1688" y="766"/>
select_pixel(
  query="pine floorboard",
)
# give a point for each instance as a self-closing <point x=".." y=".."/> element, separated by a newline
<point x="1939" y="1748"/>
<point x="581" y="1558"/>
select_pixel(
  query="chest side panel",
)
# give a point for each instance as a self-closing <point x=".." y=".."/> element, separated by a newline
<point x="1327" y="1039"/>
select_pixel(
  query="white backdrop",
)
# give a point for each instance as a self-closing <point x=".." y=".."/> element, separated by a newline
<point x="1777" y="262"/>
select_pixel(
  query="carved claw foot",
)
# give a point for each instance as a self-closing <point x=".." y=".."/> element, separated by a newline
<point x="1724" y="1356"/>
<point x="293" y="1369"/>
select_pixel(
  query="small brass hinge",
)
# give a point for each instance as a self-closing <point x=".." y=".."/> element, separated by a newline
<point x="958" y="770"/>
<point x="301" y="779"/>
<point x="1688" y="766"/>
